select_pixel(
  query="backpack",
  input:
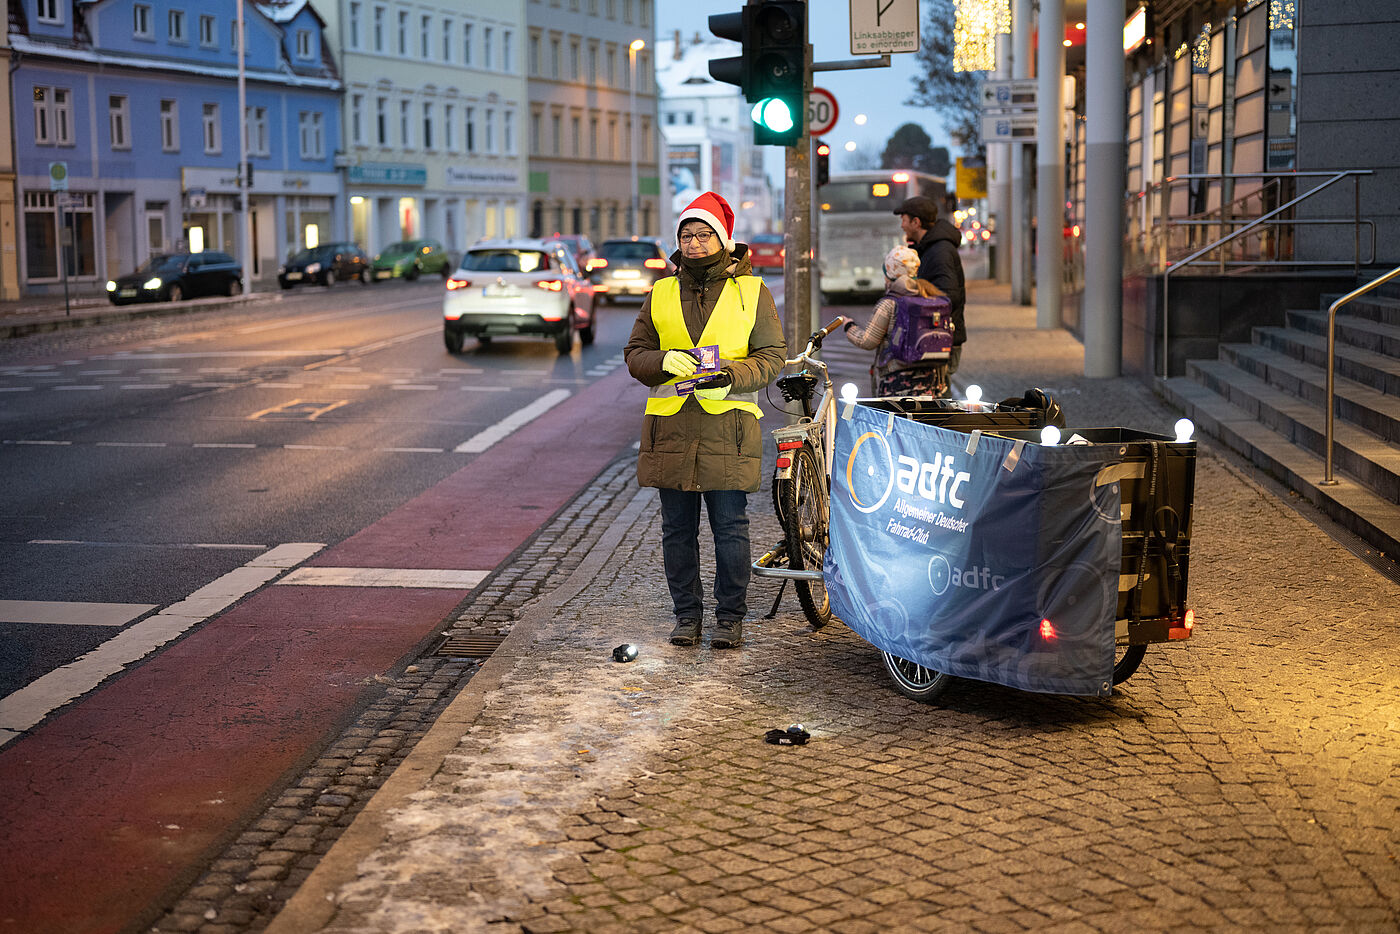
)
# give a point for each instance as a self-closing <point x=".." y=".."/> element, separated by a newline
<point x="922" y="331"/>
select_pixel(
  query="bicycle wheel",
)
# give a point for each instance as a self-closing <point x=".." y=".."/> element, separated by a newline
<point x="915" y="681"/>
<point x="1126" y="659"/>
<point x="805" y="515"/>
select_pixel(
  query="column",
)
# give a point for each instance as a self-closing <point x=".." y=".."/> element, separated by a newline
<point x="1103" y="203"/>
<point x="1019" y="236"/>
<point x="1050" y="165"/>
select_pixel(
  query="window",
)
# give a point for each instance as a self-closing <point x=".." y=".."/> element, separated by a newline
<point x="592" y="64"/>
<point x="554" y="69"/>
<point x="489" y="130"/>
<point x="141" y="21"/>
<point x="576" y="134"/>
<point x="593" y="137"/>
<point x="119" y="121"/>
<point x="354" y="23"/>
<point x="169" y="126"/>
<point x="507" y="51"/>
<point x="357" y="119"/>
<point x="206" y="30"/>
<point x="573" y="60"/>
<point x="469" y="127"/>
<point x="627" y="11"/>
<point x="556" y="135"/>
<point x="403" y="32"/>
<point x="466" y="43"/>
<point x="53" y="116"/>
<point x="311" y="129"/>
<point x="486" y="37"/>
<point x="425" y="36"/>
<point x="379" y="29"/>
<point x="48" y="11"/>
<point x="304" y="44"/>
<point x="533" y="56"/>
<point x="213" y="141"/>
<point x="447" y="40"/>
<point x="175" y="22"/>
<point x="258" y="138"/>
<point x="508" y="131"/>
<point x="449" y="127"/>
<point x="405" y="130"/>
<point x="427" y="125"/>
<point x="646" y="12"/>
<point x="611" y="68"/>
<point x="381" y="120"/>
<point x="535" y="129"/>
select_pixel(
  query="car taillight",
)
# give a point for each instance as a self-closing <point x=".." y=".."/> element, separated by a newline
<point x="655" y="264"/>
<point x="454" y="284"/>
<point x="550" y="285"/>
<point x="598" y="263"/>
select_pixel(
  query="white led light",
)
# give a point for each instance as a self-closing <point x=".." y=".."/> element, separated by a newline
<point x="974" y="394"/>
<point x="849" y="392"/>
<point x="1050" y="434"/>
<point x="1185" y="428"/>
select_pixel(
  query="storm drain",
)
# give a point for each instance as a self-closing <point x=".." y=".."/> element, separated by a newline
<point x="469" y="646"/>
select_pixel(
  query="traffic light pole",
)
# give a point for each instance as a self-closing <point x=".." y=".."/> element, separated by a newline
<point x="798" y="306"/>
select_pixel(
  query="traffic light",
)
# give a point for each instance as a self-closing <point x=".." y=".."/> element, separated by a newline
<point x="823" y="172"/>
<point x="778" y="71"/>
<point x="772" y="69"/>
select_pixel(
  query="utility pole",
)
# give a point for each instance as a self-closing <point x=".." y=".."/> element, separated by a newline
<point x="245" y="186"/>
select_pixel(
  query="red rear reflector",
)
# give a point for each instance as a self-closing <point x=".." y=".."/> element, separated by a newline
<point x="550" y="285"/>
<point x="788" y="445"/>
<point x="1047" y="630"/>
<point x="784" y="461"/>
<point x="455" y="284"/>
<point x="1178" y="632"/>
<point x="655" y="264"/>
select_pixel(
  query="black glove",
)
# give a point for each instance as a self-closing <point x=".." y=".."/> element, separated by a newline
<point x="718" y="381"/>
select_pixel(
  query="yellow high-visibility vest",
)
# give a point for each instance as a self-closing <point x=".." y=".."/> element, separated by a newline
<point x="730" y="325"/>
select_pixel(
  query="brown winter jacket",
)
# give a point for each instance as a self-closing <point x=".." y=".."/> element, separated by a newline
<point x="693" y="450"/>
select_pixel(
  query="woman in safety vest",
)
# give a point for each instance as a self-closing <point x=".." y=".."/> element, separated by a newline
<point x="713" y="322"/>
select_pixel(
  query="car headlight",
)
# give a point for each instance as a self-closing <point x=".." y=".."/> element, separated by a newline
<point x="111" y="286"/>
<point x="313" y="269"/>
<point x="151" y="284"/>
<point x="281" y="270"/>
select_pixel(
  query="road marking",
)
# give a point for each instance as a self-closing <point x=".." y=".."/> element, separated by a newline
<point x="71" y="613"/>
<point x="131" y="444"/>
<point x="411" y="386"/>
<point x="347" y="385"/>
<point x="32" y="703"/>
<point x="413" y="450"/>
<point x="197" y="354"/>
<point x="63" y="388"/>
<point x="16" y="388"/>
<point x="385" y="577"/>
<point x="480" y="442"/>
<point x="279" y="385"/>
<point x="325" y="316"/>
<point x="310" y="410"/>
<point x="216" y="444"/>
<point x="52" y="443"/>
<point x="232" y="546"/>
<point x="145" y="386"/>
<point x="487" y="388"/>
<point x="315" y="447"/>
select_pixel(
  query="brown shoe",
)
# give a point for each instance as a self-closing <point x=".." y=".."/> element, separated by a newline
<point x="687" y="632"/>
<point x="728" y="634"/>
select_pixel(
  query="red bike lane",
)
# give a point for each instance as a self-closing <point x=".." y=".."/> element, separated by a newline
<point x="118" y="799"/>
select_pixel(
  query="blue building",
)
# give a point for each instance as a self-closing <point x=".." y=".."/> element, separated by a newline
<point x="126" y="131"/>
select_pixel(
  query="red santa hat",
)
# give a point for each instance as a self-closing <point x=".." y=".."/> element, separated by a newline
<point x="714" y="211"/>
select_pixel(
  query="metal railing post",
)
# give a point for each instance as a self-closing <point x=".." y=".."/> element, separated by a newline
<point x="1327" y="478"/>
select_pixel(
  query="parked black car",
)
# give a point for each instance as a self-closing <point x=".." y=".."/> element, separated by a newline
<point x="325" y="265"/>
<point x="170" y="277"/>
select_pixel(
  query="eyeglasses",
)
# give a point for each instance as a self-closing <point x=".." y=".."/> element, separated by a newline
<point x="702" y="237"/>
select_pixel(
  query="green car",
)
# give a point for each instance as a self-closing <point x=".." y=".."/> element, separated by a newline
<point x="409" y="259"/>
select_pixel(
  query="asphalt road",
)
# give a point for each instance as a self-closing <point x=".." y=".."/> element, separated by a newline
<point x="143" y="461"/>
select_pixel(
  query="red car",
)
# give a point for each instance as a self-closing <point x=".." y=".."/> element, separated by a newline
<point x="766" y="251"/>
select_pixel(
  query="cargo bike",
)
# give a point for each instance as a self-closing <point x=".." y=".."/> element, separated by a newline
<point x="1093" y="530"/>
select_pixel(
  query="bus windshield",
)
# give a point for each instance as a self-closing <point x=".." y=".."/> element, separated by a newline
<point x="857" y="195"/>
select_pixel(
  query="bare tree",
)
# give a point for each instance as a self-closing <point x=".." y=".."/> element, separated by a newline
<point x="952" y="94"/>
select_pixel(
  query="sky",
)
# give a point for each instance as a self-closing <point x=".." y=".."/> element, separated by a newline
<point x="878" y="93"/>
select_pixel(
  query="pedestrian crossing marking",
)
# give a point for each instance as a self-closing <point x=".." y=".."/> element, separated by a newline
<point x="71" y="612"/>
<point x="442" y="579"/>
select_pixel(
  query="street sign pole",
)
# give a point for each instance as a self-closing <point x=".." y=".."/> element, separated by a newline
<point x="797" y="223"/>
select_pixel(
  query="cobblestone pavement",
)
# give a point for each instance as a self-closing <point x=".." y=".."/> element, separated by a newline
<point x="1248" y="778"/>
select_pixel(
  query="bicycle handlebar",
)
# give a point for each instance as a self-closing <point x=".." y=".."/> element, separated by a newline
<point x="840" y="320"/>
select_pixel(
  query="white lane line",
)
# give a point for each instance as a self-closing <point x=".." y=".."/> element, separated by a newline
<point x="212" y="385"/>
<point x="480" y="442"/>
<point x="385" y="577"/>
<point x="131" y="444"/>
<point x="232" y="546"/>
<point x="486" y="388"/>
<point x="98" y="372"/>
<point x="70" y="388"/>
<point x="413" y="450"/>
<point x="347" y="386"/>
<point x="32" y="703"/>
<point x="16" y="388"/>
<point x="215" y="444"/>
<point x="51" y="443"/>
<point x="145" y="386"/>
<point x="71" y="613"/>
<point x="412" y="386"/>
<point x="199" y="354"/>
<point x="315" y="447"/>
<point x="278" y="385"/>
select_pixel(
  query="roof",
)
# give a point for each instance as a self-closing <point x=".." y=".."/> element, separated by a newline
<point x="689" y="75"/>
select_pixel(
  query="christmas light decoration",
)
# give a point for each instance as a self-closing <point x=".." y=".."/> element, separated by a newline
<point x="976" y="24"/>
<point x="1282" y="13"/>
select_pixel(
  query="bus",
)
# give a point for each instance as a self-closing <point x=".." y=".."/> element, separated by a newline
<point x="859" y="226"/>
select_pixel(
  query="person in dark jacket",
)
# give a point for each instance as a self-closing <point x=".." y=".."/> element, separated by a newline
<point x="937" y="242"/>
<point x="705" y="443"/>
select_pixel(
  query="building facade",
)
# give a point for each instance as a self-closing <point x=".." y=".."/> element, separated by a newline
<point x="9" y="229"/>
<point x="433" y="108"/>
<point x="709" y="136"/>
<point x="127" y="127"/>
<point x="591" y="126"/>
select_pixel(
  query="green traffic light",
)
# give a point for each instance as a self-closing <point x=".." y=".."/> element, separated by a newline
<point x="774" y="114"/>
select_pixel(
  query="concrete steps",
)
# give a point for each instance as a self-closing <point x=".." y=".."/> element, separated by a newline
<point x="1266" y="400"/>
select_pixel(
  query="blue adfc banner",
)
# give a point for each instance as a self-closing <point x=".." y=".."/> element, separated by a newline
<point x="976" y="556"/>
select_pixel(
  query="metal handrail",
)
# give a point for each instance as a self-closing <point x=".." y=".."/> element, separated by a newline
<point x="1327" y="478"/>
<point x="1167" y="270"/>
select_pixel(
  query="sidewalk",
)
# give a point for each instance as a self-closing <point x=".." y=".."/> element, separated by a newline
<point x="1247" y="778"/>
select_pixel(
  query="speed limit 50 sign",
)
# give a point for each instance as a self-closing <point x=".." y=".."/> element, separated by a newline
<point x="821" y="111"/>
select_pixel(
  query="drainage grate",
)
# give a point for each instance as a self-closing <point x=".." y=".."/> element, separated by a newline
<point x="470" y="646"/>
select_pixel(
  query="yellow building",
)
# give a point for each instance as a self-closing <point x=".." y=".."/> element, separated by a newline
<point x="9" y="247"/>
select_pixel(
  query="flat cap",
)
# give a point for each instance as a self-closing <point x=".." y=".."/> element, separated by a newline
<point x="924" y="208"/>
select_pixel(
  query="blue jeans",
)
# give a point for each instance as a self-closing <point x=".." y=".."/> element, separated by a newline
<point x="680" y="549"/>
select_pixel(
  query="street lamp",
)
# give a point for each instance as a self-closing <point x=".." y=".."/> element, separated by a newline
<point x="632" y="50"/>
